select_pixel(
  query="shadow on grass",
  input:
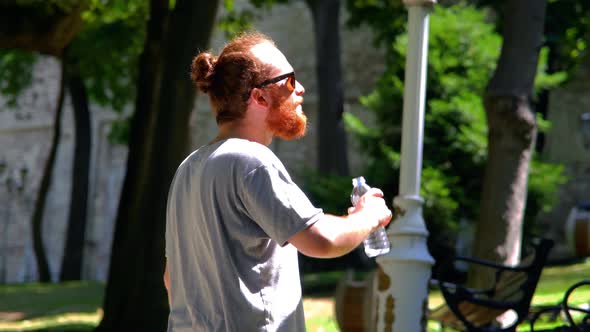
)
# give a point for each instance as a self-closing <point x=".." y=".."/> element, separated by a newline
<point x="29" y="301"/>
<point x="71" y="306"/>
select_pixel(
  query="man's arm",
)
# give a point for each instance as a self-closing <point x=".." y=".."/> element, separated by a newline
<point x="167" y="282"/>
<point x="334" y="236"/>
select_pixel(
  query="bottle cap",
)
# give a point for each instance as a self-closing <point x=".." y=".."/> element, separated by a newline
<point x="358" y="181"/>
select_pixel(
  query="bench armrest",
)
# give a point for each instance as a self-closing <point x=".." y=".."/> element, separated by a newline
<point x="513" y="289"/>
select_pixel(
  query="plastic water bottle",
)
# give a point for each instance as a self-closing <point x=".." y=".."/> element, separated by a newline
<point x="377" y="242"/>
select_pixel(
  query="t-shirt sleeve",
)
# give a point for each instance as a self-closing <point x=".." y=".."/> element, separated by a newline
<point x="277" y="204"/>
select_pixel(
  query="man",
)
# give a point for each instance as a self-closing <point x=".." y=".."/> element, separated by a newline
<point x="235" y="219"/>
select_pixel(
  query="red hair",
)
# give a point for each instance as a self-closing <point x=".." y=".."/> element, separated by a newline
<point x="229" y="78"/>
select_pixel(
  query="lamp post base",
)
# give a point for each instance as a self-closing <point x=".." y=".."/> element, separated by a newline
<point x="401" y="285"/>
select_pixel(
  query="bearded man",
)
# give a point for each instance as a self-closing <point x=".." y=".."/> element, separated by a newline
<point x="235" y="219"/>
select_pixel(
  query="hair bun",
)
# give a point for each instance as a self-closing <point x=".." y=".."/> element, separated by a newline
<point x="202" y="69"/>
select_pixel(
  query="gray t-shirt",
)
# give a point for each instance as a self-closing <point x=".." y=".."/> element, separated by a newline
<point x="232" y="208"/>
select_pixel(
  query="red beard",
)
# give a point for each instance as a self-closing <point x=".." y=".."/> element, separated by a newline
<point x="284" y="121"/>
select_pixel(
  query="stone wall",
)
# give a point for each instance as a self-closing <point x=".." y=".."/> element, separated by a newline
<point x="26" y="133"/>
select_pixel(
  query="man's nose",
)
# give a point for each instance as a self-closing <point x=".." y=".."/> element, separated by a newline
<point x="299" y="89"/>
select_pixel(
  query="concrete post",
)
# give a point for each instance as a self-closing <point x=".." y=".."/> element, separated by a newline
<point x="401" y="285"/>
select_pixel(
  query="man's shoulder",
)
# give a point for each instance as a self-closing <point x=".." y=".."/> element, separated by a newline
<point x="232" y="155"/>
<point x="247" y="151"/>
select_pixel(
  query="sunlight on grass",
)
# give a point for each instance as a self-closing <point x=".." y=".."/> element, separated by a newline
<point x="321" y="324"/>
<point x="72" y="321"/>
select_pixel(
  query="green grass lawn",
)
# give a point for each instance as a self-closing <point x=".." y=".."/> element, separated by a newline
<point x="71" y="306"/>
<point x="76" y="306"/>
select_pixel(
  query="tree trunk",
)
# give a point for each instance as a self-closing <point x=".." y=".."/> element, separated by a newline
<point x="37" y="220"/>
<point x="511" y="137"/>
<point x="332" y="146"/>
<point x="135" y="298"/>
<point x="71" y="268"/>
<point x="132" y="292"/>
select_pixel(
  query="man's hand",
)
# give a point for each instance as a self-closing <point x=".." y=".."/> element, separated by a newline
<point x="371" y="206"/>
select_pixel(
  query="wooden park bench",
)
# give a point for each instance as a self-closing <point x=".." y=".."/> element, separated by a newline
<point x="472" y="310"/>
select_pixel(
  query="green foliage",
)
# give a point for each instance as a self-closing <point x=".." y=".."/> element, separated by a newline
<point x="567" y="31"/>
<point x="107" y="54"/>
<point x="16" y="73"/>
<point x="545" y="79"/>
<point x="544" y="181"/>
<point x="235" y="21"/>
<point x="120" y="131"/>
<point x="386" y="18"/>
<point x="107" y="50"/>
<point x="463" y="50"/>
<point x="50" y="7"/>
<point x="543" y="125"/>
<point x="357" y="126"/>
<point x="331" y="192"/>
<point x="437" y="194"/>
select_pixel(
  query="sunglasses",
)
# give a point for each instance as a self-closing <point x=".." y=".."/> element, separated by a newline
<point x="290" y="81"/>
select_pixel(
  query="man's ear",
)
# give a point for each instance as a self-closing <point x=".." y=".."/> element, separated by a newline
<point x="259" y="97"/>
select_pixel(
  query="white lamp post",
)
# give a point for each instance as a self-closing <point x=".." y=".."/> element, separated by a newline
<point x="401" y="285"/>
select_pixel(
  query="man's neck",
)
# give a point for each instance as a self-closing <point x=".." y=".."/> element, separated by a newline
<point x="240" y="129"/>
